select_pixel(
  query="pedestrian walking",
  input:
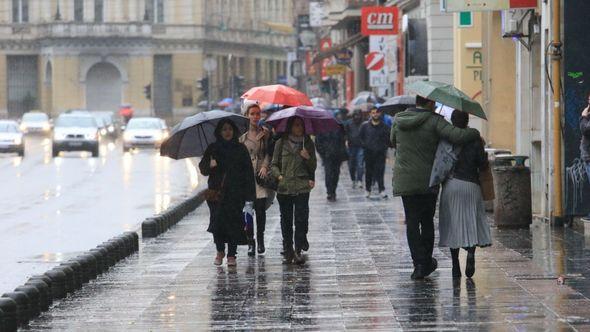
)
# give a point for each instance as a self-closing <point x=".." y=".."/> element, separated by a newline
<point x="256" y="140"/>
<point x="294" y="163"/>
<point x="332" y="149"/>
<point x="356" y="159"/>
<point x="585" y="141"/>
<point x="231" y="185"/>
<point x="463" y="221"/>
<point x="415" y="135"/>
<point x="374" y="136"/>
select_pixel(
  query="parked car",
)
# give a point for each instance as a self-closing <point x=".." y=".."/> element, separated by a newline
<point x="76" y="132"/>
<point x="144" y="132"/>
<point x="35" y="122"/>
<point x="11" y="138"/>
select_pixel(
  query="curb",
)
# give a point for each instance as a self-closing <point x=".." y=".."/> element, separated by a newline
<point x="40" y="291"/>
<point x="153" y="226"/>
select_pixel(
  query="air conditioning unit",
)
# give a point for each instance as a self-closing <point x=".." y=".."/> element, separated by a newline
<point x="512" y="23"/>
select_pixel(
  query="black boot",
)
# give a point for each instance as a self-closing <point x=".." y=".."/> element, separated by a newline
<point x="261" y="248"/>
<point x="470" y="264"/>
<point x="251" y="248"/>
<point x="288" y="254"/>
<point x="456" y="265"/>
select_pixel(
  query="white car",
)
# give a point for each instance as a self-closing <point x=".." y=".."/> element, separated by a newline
<point x="35" y="122"/>
<point x="76" y="132"/>
<point x="11" y="138"/>
<point x="144" y="132"/>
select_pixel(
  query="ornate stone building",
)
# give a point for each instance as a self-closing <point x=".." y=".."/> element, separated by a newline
<point x="98" y="54"/>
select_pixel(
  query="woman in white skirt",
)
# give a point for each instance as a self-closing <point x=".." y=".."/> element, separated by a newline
<point x="462" y="218"/>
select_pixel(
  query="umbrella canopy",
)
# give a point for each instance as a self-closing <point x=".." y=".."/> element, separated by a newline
<point x="192" y="136"/>
<point x="397" y="104"/>
<point x="321" y="102"/>
<point x="362" y="98"/>
<point x="316" y="120"/>
<point x="225" y="102"/>
<point x="448" y="95"/>
<point x="278" y="94"/>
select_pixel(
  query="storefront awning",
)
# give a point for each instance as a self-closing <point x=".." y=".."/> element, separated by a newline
<point x="339" y="47"/>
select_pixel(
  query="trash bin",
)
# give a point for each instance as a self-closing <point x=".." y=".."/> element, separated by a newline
<point x="512" y="184"/>
<point x="492" y="153"/>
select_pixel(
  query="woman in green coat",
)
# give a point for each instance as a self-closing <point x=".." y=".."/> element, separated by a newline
<point x="294" y="164"/>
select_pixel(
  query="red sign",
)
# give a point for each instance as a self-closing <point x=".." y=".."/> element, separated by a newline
<point x="379" y="20"/>
<point x="375" y="61"/>
<point x="523" y="3"/>
<point x="325" y="44"/>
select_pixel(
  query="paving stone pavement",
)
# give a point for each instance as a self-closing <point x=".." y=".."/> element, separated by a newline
<point x="357" y="277"/>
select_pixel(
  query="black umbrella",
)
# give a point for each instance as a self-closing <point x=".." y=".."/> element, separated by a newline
<point x="397" y="104"/>
<point x="192" y="136"/>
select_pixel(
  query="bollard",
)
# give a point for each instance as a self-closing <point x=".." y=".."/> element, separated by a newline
<point x="22" y="306"/>
<point x="512" y="184"/>
<point x="44" y="278"/>
<point x="102" y="259"/>
<point x="10" y="319"/>
<point x="119" y="248"/>
<point x="70" y="283"/>
<point x="149" y="228"/>
<point x="58" y="283"/>
<point x="111" y="251"/>
<point x="89" y="266"/>
<point x="135" y="240"/>
<point x="84" y="267"/>
<point x="45" y="299"/>
<point x="128" y="242"/>
<point x="33" y="294"/>
<point x="76" y="272"/>
<point x="2" y="321"/>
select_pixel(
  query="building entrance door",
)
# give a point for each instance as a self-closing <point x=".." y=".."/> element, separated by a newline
<point x="103" y="87"/>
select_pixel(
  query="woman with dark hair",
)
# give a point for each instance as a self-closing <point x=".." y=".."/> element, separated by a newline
<point x="294" y="163"/>
<point x="256" y="140"/>
<point x="231" y="185"/>
<point x="463" y="222"/>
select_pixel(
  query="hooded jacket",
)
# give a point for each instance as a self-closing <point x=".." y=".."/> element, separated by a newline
<point x="415" y="135"/>
<point x="585" y="142"/>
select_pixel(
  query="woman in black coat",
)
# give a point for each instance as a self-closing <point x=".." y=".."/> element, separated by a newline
<point x="228" y="165"/>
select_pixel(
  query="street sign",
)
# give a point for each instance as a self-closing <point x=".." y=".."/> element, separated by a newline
<point x="379" y="20"/>
<point x="209" y="64"/>
<point x="375" y="61"/>
<point x="334" y="70"/>
<point x="325" y="44"/>
<point x="485" y="5"/>
<point x="317" y="14"/>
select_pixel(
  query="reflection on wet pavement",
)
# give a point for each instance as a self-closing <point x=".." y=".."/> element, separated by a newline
<point x="357" y="277"/>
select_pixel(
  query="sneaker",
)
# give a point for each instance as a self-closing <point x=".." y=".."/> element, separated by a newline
<point x="219" y="258"/>
<point x="288" y="256"/>
<point x="353" y="184"/>
<point x="418" y="273"/>
<point x="252" y="249"/>
<point x="298" y="258"/>
<point x="331" y="198"/>
<point x="585" y="219"/>
<point x="432" y="267"/>
<point x="383" y="195"/>
<point x="305" y="245"/>
<point x="368" y="194"/>
<point x="231" y="261"/>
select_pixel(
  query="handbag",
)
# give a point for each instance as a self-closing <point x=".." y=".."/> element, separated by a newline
<point x="214" y="195"/>
<point x="444" y="161"/>
<point x="271" y="181"/>
<point x="486" y="184"/>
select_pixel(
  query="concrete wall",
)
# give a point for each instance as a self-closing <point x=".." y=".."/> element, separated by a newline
<point x="440" y="43"/>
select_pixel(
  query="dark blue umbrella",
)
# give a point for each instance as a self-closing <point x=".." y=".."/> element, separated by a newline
<point x="192" y="136"/>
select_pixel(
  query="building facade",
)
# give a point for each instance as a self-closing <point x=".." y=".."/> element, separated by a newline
<point x="57" y="55"/>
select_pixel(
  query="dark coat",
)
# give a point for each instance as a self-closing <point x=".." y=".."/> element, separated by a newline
<point x="234" y="175"/>
<point x="375" y="137"/>
<point x="332" y="145"/>
<point x="585" y="142"/>
<point x="470" y="161"/>
<point x="296" y="171"/>
<point x="353" y="133"/>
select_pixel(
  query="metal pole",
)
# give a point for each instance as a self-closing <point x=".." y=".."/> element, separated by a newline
<point x="557" y="143"/>
<point x="208" y="91"/>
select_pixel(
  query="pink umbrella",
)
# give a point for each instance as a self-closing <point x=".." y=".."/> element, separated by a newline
<point x="277" y="94"/>
<point x="316" y="120"/>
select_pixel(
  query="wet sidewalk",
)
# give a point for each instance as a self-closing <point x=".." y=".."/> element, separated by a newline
<point x="357" y="277"/>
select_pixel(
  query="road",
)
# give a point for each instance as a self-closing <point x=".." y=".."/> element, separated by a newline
<point x="53" y="208"/>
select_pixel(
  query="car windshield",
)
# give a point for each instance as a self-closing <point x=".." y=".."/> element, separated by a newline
<point x="144" y="124"/>
<point x="8" y="128"/>
<point x="76" y="121"/>
<point x="34" y="117"/>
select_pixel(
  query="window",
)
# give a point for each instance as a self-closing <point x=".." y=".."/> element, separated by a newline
<point x="154" y="11"/>
<point x="416" y="48"/>
<point x="98" y="11"/>
<point x="78" y="10"/>
<point x="20" y="11"/>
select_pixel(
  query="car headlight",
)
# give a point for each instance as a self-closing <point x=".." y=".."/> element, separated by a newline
<point x="103" y="131"/>
<point x="111" y="128"/>
<point x="59" y="136"/>
<point x="18" y="140"/>
<point x="23" y="127"/>
<point x="46" y="127"/>
<point x="91" y="136"/>
<point x="127" y="136"/>
<point x="158" y="136"/>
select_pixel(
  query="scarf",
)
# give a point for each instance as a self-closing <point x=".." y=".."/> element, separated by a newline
<point x="296" y="142"/>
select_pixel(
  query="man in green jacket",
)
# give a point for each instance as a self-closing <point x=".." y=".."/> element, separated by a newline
<point x="415" y="135"/>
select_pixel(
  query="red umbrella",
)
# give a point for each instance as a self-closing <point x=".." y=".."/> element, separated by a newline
<point x="278" y="94"/>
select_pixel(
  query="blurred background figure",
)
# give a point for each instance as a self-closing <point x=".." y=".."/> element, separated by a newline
<point x="356" y="159"/>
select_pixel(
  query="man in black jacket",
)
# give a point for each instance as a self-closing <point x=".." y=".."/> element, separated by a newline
<point x="331" y="147"/>
<point x="585" y="142"/>
<point x="374" y="135"/>
<point x="356" y="159"/>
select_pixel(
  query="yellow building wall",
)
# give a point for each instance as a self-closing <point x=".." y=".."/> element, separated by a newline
<point x="186" y="69"/>
<point x="3" y="85"/>
<point x="67" y="91"/>
<point x="499" y="84"/>
<point x="140" y="71"/>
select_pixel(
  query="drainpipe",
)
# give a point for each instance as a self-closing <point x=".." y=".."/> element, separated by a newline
<point x="556" y="56"/>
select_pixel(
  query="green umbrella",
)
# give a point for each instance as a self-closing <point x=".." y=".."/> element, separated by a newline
<point x="448" y="95"/>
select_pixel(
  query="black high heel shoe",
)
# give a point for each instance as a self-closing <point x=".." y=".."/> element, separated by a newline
<point x="252" y="249"/>
<point x="470" y="264"/>
<point x="261" y="248"/>
<point x="456" y="264"/>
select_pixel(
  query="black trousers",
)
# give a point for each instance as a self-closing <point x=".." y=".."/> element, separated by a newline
<point x="298" y="206"/>
<point x="332" y="169"/>
<point x="260" y="210"/>
<point x="419" y="210"/>
<point x="232" y="248"/>
<point x="375" y="168"/>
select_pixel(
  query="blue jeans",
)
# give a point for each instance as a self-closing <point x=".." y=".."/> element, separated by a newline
<point x="356" y="163"/>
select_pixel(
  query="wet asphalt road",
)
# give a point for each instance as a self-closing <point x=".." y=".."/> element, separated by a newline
<point x="54" y="208"/>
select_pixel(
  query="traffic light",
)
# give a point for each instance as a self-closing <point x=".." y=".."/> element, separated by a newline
<point x="239" y="84"/>
<point x="147" y="91"/>
<point x="204" y="85"/>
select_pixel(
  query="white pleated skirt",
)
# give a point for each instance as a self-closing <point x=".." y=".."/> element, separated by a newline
<point x="462" y="216"/>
